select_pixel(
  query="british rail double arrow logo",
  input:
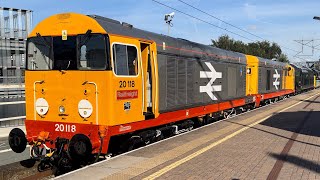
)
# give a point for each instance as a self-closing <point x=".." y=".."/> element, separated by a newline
<point x="276" y="82"/>
<point x="213" y="75"/>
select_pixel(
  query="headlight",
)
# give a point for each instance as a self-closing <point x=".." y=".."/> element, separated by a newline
<point x="42" y="106"/>
<point x="85" y="108"/>
<point x="62" y="109"/>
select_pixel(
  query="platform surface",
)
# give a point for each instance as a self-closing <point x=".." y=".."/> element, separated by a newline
<point x="280" y="141"/>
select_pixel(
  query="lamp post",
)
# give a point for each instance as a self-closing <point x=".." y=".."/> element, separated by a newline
<point x="168" y="19"/>
<point x="316" y="18"/>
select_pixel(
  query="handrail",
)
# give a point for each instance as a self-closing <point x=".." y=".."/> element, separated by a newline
<point x="34" y="96"/>
<point x="96" y="88"/>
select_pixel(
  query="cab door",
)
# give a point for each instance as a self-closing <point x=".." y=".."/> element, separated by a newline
<point x="150" y="78"/>
<point x="127" y="84"/>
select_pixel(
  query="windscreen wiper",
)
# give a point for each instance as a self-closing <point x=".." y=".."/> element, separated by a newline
<point x="85" y="38"/>
<point x="43" y="40"/>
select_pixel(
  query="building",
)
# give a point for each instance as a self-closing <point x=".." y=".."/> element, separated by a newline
<point x="15" y="25"/>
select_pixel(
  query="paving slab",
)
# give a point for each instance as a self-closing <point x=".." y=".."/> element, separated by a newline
<point x="278" y="141"/>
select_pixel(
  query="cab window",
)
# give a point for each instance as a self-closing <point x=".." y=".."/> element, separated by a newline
<point x="84" y="52"/>
<point x="39" y="54"/>
<point x="92" y="54"/>
<point x="125" y="60"/>
<point x="65" y="53"/>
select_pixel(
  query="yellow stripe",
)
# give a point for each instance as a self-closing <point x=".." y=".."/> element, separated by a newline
<point x="193" y="155"/>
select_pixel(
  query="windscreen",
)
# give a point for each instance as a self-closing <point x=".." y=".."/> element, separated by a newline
<point x="40" y="56"/>
<point x="92" y="53"/>
<point x="65" y="53"/>
<point x="76" y="52"/>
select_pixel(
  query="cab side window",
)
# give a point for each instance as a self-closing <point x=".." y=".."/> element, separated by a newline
<point x="125" y="60"/>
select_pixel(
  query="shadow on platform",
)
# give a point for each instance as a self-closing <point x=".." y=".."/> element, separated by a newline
<point x="310" y="101"/>
<point x="301" y="122"/>
<point x="298" y="161"/>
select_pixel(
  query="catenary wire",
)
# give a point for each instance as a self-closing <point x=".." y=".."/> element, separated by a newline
<point x="230" y="24"/>
<point x="220" y="19"/>
<point x="225" y="29"/>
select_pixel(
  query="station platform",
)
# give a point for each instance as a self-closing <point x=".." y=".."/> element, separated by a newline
<point x="4" y="131"/>
<point x="279" y="141"/>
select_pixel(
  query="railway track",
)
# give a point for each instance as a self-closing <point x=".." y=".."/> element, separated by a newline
<point x="27" y="169"/>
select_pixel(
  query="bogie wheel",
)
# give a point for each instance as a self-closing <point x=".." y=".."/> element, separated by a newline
<point x="80" y="148"/>
<point x="17" y="140"/>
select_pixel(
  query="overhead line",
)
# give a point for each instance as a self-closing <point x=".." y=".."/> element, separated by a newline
<point x="220" y="19"/>
<point x="225" y="29"/>
<point x="232" y="24"/>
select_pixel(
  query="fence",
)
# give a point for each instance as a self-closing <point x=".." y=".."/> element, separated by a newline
<point x="12" y="105"/>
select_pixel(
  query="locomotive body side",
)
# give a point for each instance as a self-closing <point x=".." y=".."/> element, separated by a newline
<point x="304" y="78"/>
<point x="272" y="80"/>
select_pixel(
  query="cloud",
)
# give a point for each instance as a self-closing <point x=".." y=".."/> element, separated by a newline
<point x="252" y="27"/>
<point x="250" y="11"/>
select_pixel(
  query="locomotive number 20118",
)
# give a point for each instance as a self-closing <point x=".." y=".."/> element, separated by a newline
<point x="65" y="128"/>
<point x="124" y="84"/>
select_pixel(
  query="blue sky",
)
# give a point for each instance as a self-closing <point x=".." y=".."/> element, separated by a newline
<point x="281" y="21"/>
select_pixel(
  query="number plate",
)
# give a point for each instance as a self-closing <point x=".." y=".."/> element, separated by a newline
<point x="65" y="128"/>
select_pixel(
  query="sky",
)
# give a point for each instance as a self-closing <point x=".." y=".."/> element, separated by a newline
<point x="281" y="21"/>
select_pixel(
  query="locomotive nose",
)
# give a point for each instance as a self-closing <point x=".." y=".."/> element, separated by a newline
<point x="17" y="140"/>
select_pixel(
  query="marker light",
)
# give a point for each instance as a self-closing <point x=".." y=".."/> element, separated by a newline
<point x="42" y="106"/>
<point x="85" y="108"/>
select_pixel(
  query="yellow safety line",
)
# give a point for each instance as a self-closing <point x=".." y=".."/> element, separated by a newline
<point x="193" y="155"/>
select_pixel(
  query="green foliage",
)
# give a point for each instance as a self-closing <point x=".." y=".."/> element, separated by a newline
<point x="283" y="58"/>
<point x="261" y="48"/>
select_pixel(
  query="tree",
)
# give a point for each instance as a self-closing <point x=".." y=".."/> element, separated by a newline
<point x="260" y="48"/>
<point x="224" y="42"/>
<point x="283" y="58"/>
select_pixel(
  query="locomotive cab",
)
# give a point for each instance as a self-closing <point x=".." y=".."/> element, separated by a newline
<point x="80" y="80"/>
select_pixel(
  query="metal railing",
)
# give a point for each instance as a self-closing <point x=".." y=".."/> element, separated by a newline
<point x="14" y="108"/>
<point x="11" y="80"/>
<point x="16" y="33"/>
<point x="12" y="104"/>
<point x="12" y="90"/>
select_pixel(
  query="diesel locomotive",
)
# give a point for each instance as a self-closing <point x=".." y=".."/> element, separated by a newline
<point x="95" y="86"/>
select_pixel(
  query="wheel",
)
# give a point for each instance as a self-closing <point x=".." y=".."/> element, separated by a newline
<point x="17" y="140"/>
<point x="80" y="148"/>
